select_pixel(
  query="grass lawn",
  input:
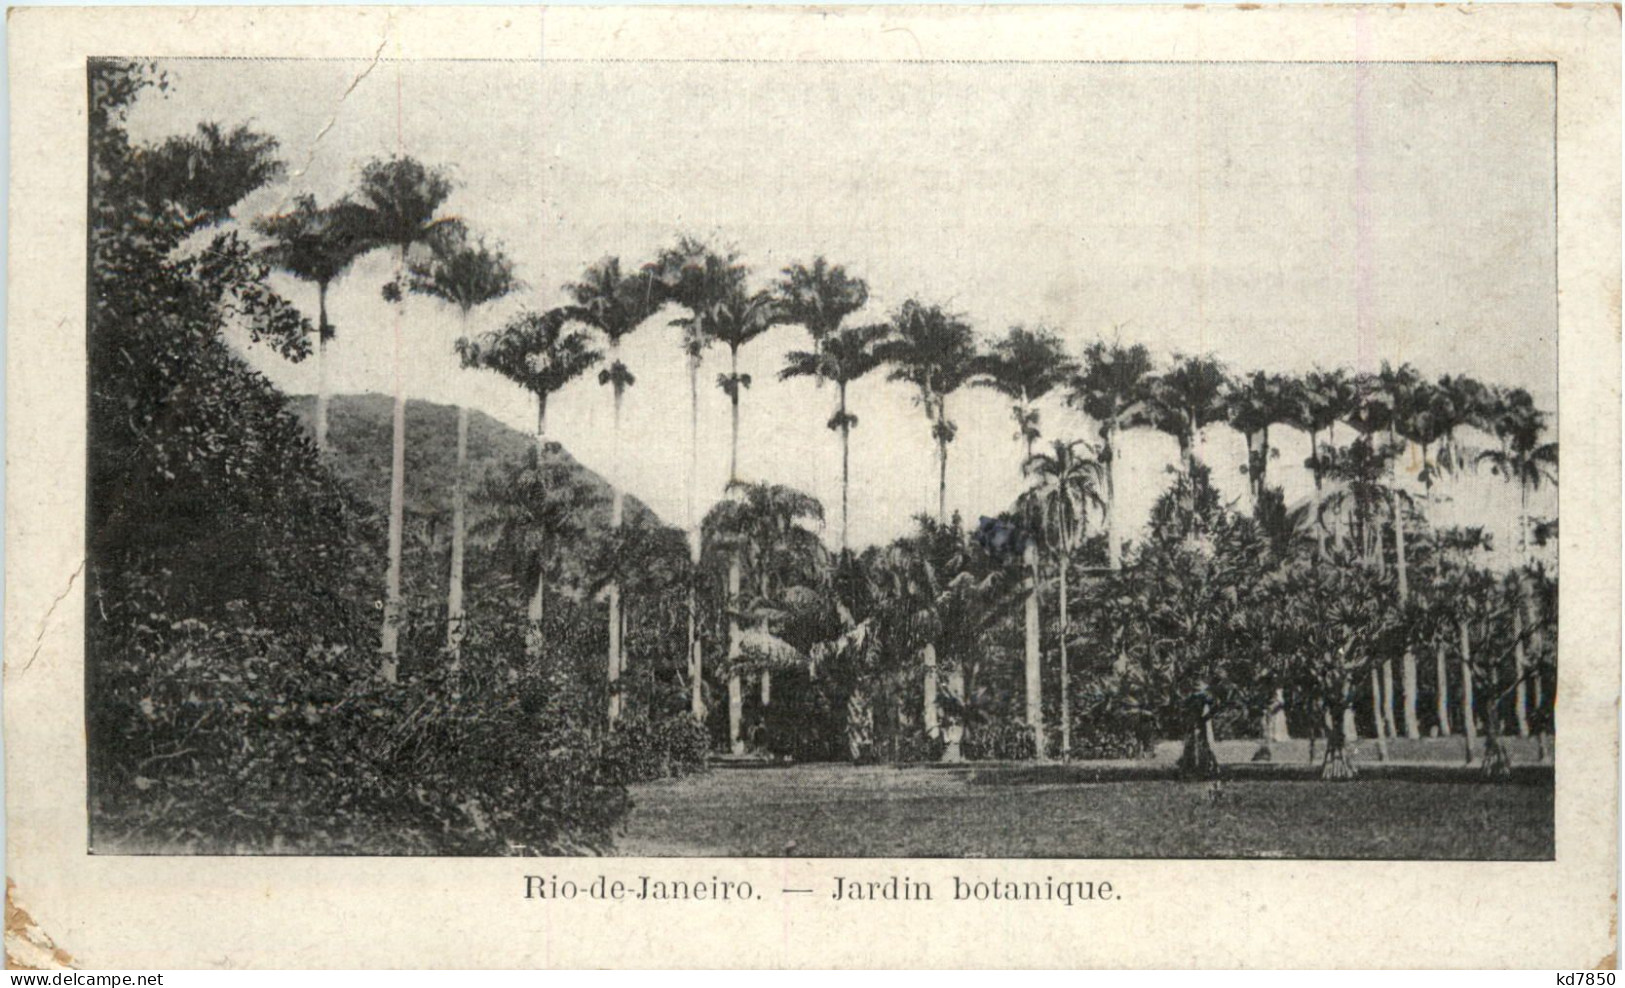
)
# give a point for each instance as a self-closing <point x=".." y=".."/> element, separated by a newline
<point x="1095" y="810"/>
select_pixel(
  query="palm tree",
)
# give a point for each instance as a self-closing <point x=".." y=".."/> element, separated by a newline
<point x="935" y="351"/>
<point x="1463" y="401"/>
<point x="1024" y="366"/>
<point x="1373" y="414"/>
<point x="735" y="321"/>
<point x="402" y="200"/>
<point x="614" y="304"/>
<point x="1401" y="387"/>
<point x="1066" y="484"/>
<point x="464" y="275"/>
<point x="766" y="526"/>
<point x="1258" y="401"/>
<point x="840" y="358"/>
<point x="316" y="244"/>
<point x="696" y="276"/>
<point x="1525" y="459"/>
<point x="1181" y="402"/>
<point x="1325" y="398"/>
<point x="537" y="352"/>
<point x="1111" y="389"/>
<point x="531" y="505"/>
<point x="819" y="297"/>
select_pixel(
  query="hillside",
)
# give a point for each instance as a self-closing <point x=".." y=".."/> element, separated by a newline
<point x="359" y="430"/>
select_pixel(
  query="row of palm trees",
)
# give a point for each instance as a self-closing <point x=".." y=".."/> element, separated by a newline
<point x="399" y="207"/>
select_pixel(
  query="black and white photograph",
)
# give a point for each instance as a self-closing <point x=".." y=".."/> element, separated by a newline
<point x="710" y="458"/>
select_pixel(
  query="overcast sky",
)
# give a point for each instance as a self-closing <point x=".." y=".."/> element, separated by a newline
<point x="1276" y="216"/>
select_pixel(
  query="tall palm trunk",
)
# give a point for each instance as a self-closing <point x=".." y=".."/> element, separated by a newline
<point x="321" y="368"/>
<point x="1187" y="459"/>
<point x="1407" y="662"/>
<point x="696" y="660"/>
<point x="1441" y="696"/>
<point x="1520" y="657"/>
<point x="1066" y="672"/>
<point x="733" y="397"/>
<point x="1316" y="494"/>
<point x="390" y="646"/>
<point x="846" y="463"/>
<point x="459" y="522"/>
<point x="1033" y="638"/>
<point x="766" y="679"/>
<point x="942" y="480"/>
<point x="1252" y="472"/>
<point x="616" y="511"/>
<point x="928" y="654"/>
<point x="1468" y="712"/>
<point x="533" y="613"/>
<point x="736" y="696"/>
<point x="1376" y="714"/>
<point x="1034" y="667"/>
<point x="1263" y="460"/>
<point x="1114" y="552"/>
<point x="929" y="719"/>
<point x="1520" y="663"/>
<point x="459" y="534"/>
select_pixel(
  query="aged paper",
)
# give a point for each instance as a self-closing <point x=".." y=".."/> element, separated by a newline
<point x="813" y="487"/>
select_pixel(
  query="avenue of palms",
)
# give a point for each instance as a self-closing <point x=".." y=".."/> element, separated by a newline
<point x="1066" y="538"/>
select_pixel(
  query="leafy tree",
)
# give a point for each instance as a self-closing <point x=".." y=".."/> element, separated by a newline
<point x="199" y="476"/>
<point x="1332" y="619"/>
<point x="1493" y="643"/>
<point x="1526" y="459"/>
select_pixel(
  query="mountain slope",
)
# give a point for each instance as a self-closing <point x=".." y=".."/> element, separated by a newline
<point x="360" y="432"/>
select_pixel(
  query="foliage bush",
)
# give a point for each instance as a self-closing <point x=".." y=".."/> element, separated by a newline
<point x="1001" y="740"/>
<point x="914" y="746"/>
<point x="641" y="751"/>
<point x="805" y="722"/>
<point x="217" y="738"/>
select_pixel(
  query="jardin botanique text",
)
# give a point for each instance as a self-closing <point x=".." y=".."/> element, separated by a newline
<point x="837" y="888"/>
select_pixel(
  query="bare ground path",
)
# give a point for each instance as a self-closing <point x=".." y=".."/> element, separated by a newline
<point x="1423" y="807"/>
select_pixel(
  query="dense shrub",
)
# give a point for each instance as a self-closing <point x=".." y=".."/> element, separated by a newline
<point x="1117" y="738"/>
<point x="219" y="738"/>
<point x="914" y="746"/>
<point x="640" y="751"/>
<point x="805" y="722"/>
<point x="1001" y="740"/>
